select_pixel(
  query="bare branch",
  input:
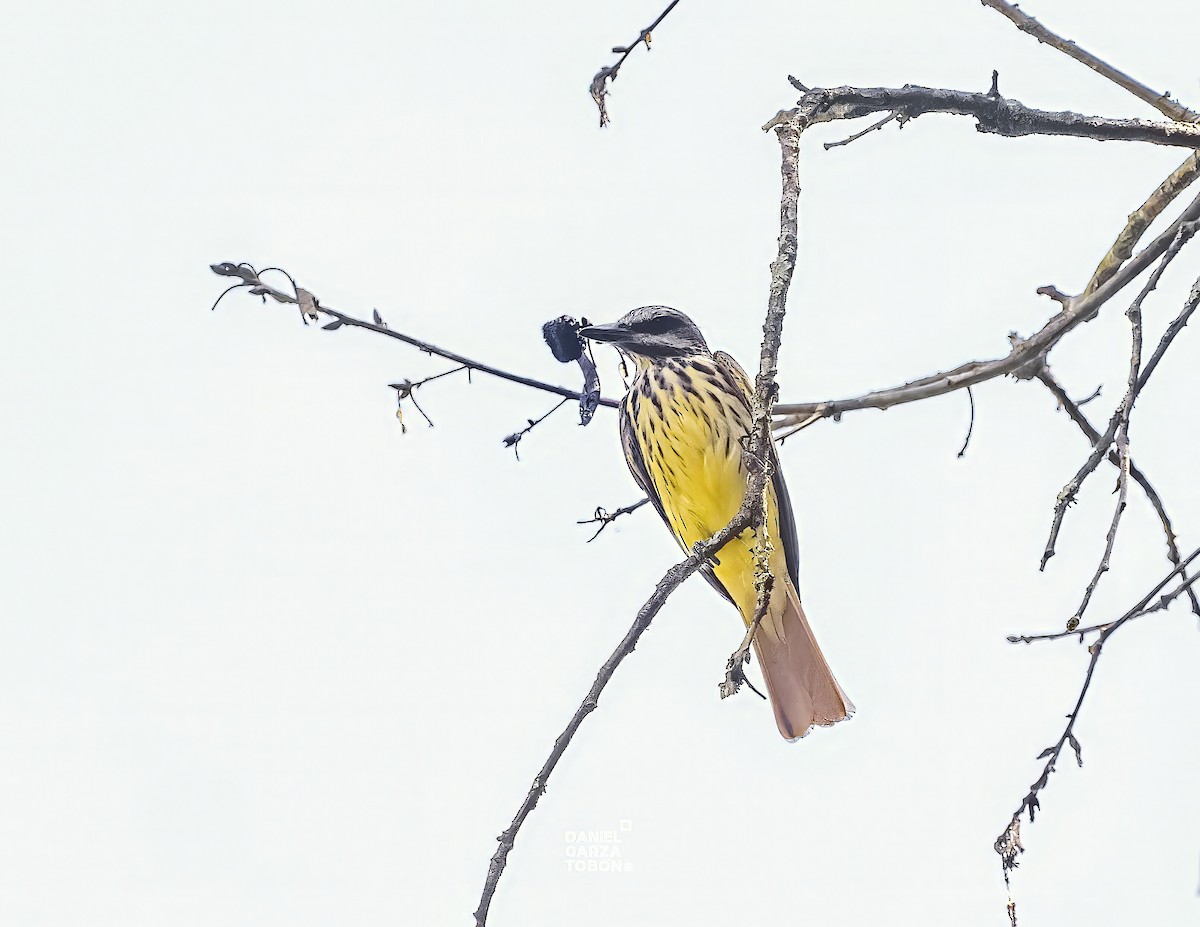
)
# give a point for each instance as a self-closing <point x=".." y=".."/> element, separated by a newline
<point x="1160" y="101"/>
<point x="993" y="114"/>
<point x="599" y="85"/>
<point x="1008" y="843"/>
<point x="671" y="581"/>
<point x="1123" y="462"/>
<point x="1173" y="330"/>
<point x="604" y="518"/>
<point x="1073" y="409"/>
<point x="1187" y="588"/>
<point x="1122" y="444"/>
<point x="250" y="277"/>
<point x="1069" y="492"/>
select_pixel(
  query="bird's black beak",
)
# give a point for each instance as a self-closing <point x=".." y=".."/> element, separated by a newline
<point x="613" y="332"/>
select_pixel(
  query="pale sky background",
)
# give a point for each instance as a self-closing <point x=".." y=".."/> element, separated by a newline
<point x="266" y="660"/>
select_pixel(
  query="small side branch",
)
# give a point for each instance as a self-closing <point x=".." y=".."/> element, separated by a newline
<point x="873" y="127"/>
<point x="599" y="85"/>
<point x="514" y="439"/>
<point x="406" y="389"/>
<point x="962" y="451"/>
<point x="604" y="518"/>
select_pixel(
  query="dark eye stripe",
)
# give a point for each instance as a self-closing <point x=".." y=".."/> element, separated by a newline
<point x="659" y="325"/>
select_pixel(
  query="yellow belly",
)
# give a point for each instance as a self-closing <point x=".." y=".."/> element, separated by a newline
<point x="693" y="454"/>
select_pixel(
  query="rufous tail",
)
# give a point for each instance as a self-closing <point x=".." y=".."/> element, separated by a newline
<point x="801" y="685"/>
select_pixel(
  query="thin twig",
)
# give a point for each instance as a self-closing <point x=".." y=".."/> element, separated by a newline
<point x="1007" y="844"/>
<point x="514" y="439"/>
<point x="437" y="376"/>
<point x="1071" y="490"/>
<point x="1160" y="101"/>
<point x="1177" y="325"/>
<point x="1187" y="587"/>
<point x="406" y="389"/>
<point x="1121" y="443"/>
<point x="605" y="518"/>
<point x="599" y="85"/>
<point x="785" y="429"/>
<point x="971" y="426"/>
<point x="258" y="288"/>
<point x="1072" y="408"/>
<point x="871" y="128"/>
<point x="749" y="515"/>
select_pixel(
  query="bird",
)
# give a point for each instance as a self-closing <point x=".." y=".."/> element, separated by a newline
<point x="685" y="423"/>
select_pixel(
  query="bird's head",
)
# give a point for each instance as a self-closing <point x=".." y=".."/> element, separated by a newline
<point x="651" y="333"/>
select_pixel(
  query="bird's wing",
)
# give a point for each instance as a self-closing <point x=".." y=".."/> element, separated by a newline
<point x="787" y="517"/>
<point x="637" y="463"/>
<point x="641" y="475"/>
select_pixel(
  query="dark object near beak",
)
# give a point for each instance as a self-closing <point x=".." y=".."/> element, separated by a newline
<point x="613" y="332"/>
<point x="562" y="336"/>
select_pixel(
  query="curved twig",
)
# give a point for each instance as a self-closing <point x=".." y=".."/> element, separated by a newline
<point x="970" y="426"/>
<point x="1072" y="408"/>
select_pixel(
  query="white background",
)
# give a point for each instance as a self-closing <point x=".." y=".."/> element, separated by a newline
<point x="264" y="659"/>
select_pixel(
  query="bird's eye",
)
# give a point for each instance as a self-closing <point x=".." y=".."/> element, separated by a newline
<point x="658" y="325"/>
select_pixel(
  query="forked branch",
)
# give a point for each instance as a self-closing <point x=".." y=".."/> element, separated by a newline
<point x="1008" y="843"/>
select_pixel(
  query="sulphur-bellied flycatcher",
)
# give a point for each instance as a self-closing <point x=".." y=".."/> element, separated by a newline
<point x="684" y="424"/>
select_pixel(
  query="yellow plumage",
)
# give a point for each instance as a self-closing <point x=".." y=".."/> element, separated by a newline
<point x="685" y="421"/>
<point x="693" y="455"/>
